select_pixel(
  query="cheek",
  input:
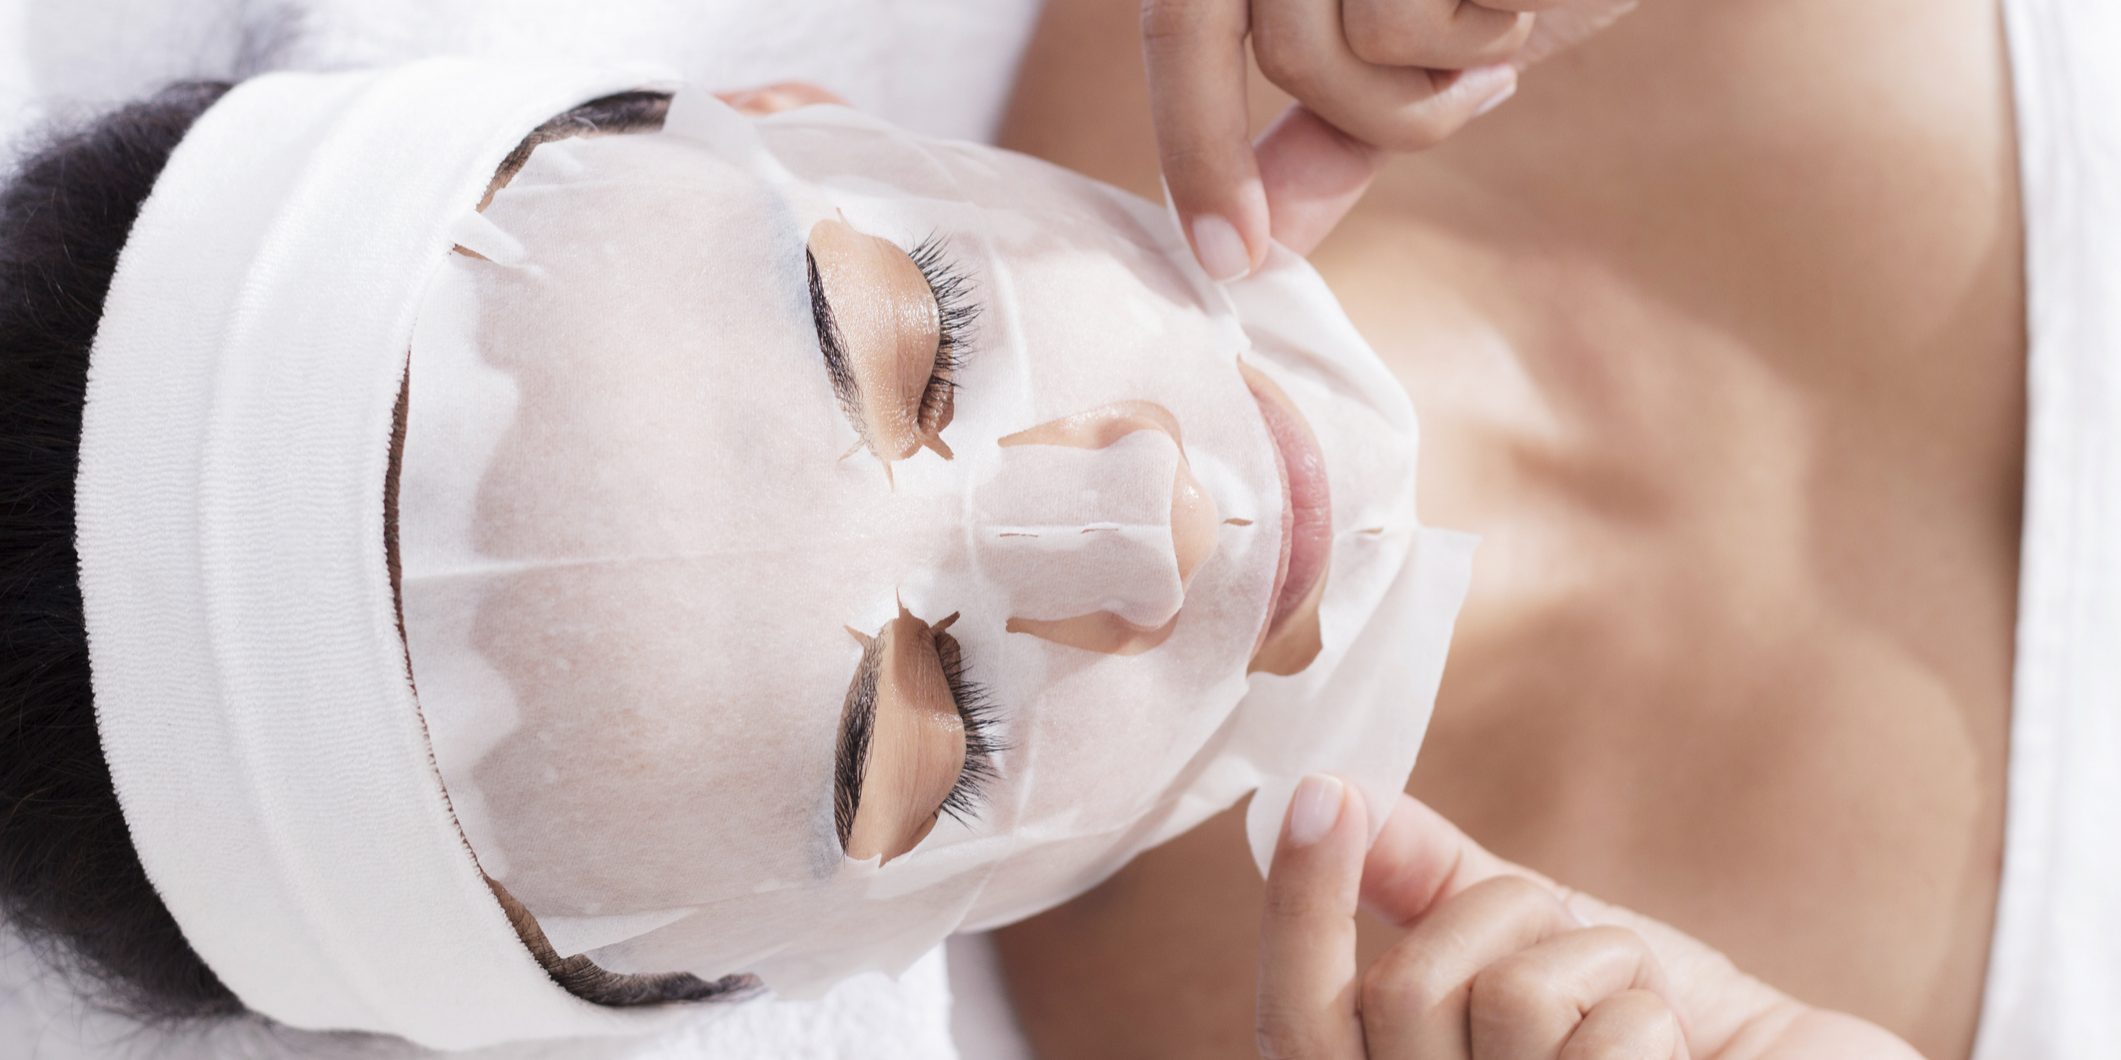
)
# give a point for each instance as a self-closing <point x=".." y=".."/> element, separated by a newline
<point x="1109" y="322"/>
<point x="604" y="738"/>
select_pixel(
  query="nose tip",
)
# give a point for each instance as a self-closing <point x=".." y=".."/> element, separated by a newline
<point x="1194" y="523"/>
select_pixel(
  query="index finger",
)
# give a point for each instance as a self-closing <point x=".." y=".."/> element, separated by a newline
<point x="1195" y="54"/>
<point x="1308" y="978"/>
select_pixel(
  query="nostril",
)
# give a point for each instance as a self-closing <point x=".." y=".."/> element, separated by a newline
<point x="1195" y="522"/>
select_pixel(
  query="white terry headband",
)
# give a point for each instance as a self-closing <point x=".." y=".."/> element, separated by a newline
<point x="250" y="682"/>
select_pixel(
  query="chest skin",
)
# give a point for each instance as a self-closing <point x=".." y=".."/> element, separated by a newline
<point x="1716" y="334"/>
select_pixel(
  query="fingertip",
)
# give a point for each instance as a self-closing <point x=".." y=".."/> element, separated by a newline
<point x="1486" y="87"/>
<point x="1218" y="246"/>
<point x="1229" y="237"/>
<point x="1324" y="837"/>
<point x="1501" y="95"/>
<point x="1314" y="811"/>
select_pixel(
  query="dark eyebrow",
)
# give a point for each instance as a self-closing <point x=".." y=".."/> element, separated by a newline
<point x="857" y="721"/>
<point x="831" y="344"/>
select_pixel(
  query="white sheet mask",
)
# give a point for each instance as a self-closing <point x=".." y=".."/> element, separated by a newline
<point x="632" y="548"/>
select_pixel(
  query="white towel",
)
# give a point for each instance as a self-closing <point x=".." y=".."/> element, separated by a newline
<point x="936" y="66"/>
<point x="869" y="1017"/>
<point x="942" y="66"/>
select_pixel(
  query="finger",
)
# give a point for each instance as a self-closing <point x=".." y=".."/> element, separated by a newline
<point x="1529" y="1002"/>
<point x="1565" y="27"/>
<point x="1438" y="34"/>
<point x="1300" y="48"/>
<point x="1195" y="54"/>
<point x="1307" y="970"/>
<point x="1523" y="5"/>
<point x="1313" y="174"/>
<point x="1416" y="999"/>
<point x="1420" y="860"/>
<point x="1632" y="1023"/>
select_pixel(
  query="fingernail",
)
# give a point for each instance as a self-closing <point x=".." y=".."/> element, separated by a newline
<point x="1491" y="84"/>
<point x="1315" y="809"/>
<point x="1498" y="99"/>
<point x="1221" y="250"/>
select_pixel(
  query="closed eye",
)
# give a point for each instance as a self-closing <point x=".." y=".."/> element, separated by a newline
<point x="915" y="741"/>
<point x="955" y="313"/>
<point x="894" y="327"/>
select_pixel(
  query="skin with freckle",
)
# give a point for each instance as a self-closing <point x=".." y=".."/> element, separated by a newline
<point x="886" y="315"/>
<point x="916" y="742"/>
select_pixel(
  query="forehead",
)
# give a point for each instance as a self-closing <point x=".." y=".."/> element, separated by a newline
<point x="637" y="425"/>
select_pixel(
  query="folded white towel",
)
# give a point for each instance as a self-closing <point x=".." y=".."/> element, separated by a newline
<point x="936" y="66"/>
<point x="866" y="1018"/>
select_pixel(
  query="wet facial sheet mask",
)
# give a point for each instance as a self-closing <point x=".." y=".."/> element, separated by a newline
<point x="643" y="543"/>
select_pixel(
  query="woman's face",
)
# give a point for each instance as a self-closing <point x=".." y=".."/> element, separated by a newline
<point x="814" y="538"/>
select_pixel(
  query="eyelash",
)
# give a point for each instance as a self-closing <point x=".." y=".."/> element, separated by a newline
<point x="976" y="711"/>
<point x="843" y="386"/>
<point x="851" y="763"/>
<point x="955" y="314"/>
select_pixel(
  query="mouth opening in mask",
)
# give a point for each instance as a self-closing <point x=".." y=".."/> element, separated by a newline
<point x="1289" y="640"/>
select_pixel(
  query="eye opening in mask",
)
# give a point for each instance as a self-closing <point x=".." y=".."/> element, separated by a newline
<point x="905" y="661"/>
<point x="891" y="421"/>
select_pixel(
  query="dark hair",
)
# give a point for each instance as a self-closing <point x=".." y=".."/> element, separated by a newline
<point x="71" y="883"/>
<point x="68" y="872"/>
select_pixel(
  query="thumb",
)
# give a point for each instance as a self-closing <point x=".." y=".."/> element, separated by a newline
<point x="1313" y="174"/>
<point x="1421" y="860"/>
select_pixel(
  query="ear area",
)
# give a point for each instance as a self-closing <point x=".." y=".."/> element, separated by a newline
<point x="779" y="96"/>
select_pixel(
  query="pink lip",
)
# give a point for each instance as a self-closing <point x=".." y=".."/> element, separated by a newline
<point x="1307" y="518"/>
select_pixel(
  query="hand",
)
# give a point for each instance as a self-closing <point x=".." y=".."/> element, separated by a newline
<point x="1369" y="76"/>
<point x="1498" y="963"/>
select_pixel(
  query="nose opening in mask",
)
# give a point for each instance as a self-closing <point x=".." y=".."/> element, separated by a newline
<point x="1094" y="525"/>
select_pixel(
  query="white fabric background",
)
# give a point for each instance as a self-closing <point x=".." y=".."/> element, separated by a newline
<point x="935" y="66"/>
<point x="939" y="66"/>
<point x="867" y="1017"/>
<point x="2055" y="966"/>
